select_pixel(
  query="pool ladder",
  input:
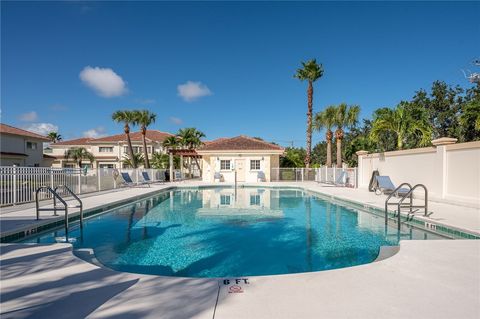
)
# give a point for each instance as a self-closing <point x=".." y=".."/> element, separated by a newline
<point x="400" y="204"/>
<point x="56" y="207"/>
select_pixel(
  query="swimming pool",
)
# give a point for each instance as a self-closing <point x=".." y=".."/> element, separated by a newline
<point x="217" y="232"/>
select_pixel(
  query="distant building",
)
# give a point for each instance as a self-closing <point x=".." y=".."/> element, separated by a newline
<point x="22" y="148"/>
<point x="109" y="151"/>
<point x="251" y="158"/>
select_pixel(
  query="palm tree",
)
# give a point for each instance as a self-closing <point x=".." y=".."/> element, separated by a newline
<point x="160" y="161"/>
<point x="345" y="117"/>
<point x="310" y="71"/>
<point x="170" y="143"/>
<point x="191" y="138"/>
<point x="78" y="154"/>
<point x="144" y="118"/>
<point x="400" y="122"/>
<point x="127" y="118"/>
<point x="127" y="160"/>
<point x="326" y="120"/>
<point x="54" y="137"/>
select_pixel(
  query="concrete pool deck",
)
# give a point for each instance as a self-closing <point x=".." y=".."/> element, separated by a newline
<point x="425" y="279"/>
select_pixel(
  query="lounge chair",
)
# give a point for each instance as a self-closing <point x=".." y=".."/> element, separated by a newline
<point x="130" y="183"/>
<point x="385" y="186"/>
<point x="217" y="176"/>
<point x="147" y="178"/>
<point x="261" y="177"/>
<point x="341" y="180"/>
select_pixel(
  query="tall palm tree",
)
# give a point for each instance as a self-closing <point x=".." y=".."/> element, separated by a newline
<point x="310" y="71"/>
<point x="54" y="137"/>
<point x="144" y="118"/>
<point x="78" y="154"/>
<point x="400" y="122"/>
<point x="127" y="118"/>
<point x="191" y="138"/>
<point x="326" y="120"/>
<point x="345" y="117"/>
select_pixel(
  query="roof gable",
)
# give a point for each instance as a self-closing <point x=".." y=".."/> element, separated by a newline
<point x="7" y="129"/>
<point x="239" y="143"/>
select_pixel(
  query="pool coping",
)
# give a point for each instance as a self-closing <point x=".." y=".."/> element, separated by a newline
<point x="420" y="222"/>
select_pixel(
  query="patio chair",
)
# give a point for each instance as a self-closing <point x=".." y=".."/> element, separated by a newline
<point x="217" y="176"/>
<point x="386" y="187"/>
<point x="129" y="182"/>
<point x="261" y="177"/>
<point x="341" y="180"/>
<point x="148" y="180"/>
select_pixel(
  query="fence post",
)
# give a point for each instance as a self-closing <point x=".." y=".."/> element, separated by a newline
<point x="14" y="184"/>
<point x="79" y="180"/>
<point x="334" y="174"/>
<point x="98" y="179"/>
<point x="51" y="178"/>
<point x="303" y="173"/>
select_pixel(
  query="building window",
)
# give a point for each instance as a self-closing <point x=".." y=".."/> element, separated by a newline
<point x="107" y="166"/>
<point x="225" y="165"/>
<point x="136" y="149"/>
<point x="255" y="165"/>
<point x="224" y="199"/>
<point x="255" y="200"/>
<point x="31" y="145"/>
<point x="104" y="149"/>
<point x="36" y="165"/>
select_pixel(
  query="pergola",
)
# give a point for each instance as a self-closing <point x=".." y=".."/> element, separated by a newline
<point x="182" y="153"/>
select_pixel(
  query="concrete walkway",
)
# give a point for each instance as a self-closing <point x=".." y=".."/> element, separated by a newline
<point x="425" y="279"/>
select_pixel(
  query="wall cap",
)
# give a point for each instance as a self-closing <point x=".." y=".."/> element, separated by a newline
<point x="444" y="141"/>
<point x="360" y="153"/>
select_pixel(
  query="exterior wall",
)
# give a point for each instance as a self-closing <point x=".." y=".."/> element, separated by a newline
<point x="450" y="172"/>
<point x="211" y="164"/>
<point x="115" y="157"/>
<point x="18" y="144"/>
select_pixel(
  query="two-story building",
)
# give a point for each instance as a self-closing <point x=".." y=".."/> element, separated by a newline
<point x="22" y="148"/>
<point x="109" y="151"/>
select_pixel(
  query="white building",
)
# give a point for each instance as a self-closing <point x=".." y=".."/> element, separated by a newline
<point x="252" y="159"/>
<point x="109" y="151"/>
<point x="22" y="148"/>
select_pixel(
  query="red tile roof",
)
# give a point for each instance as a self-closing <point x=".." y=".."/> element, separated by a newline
<point x="4" y="128"/>
<point x="13" y="154"/>
<point x="77" y="141"/>
<point x="239" y="143"/>
<point x="152" y="135"/>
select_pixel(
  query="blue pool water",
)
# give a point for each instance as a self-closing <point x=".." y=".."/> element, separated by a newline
<point x="214" y="232"/>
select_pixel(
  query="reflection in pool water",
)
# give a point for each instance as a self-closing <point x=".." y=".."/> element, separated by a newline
<point x="217" y="232"/>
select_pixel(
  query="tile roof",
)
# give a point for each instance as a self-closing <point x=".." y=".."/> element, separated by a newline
<point x="77" y="141"/>
<point x="13" y="154"/>
<point x="4" y="128"/>
<point x="239" y="143"/>
<point x="152" y="135"/>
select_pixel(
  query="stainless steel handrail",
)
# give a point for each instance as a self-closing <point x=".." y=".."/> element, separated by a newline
<point x="65" y="187"/>
<point x="55" y="196"/>
<point x="411" y="193"/>
<point x="393" y="194"/>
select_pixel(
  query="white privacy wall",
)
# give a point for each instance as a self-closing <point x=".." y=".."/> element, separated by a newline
<point x="450" y="172"/>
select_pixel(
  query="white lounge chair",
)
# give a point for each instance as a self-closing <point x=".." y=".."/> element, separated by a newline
<point x="130" y="183"/>
<point x="217" y="176"/>
<point x="386" y="187"/>
<point x="261" y="177"/>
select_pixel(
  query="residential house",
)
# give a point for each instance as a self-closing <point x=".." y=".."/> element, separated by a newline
<point x="252" y="159"/>
<point x="109" y="151"/>
<point x="22" y="148"/>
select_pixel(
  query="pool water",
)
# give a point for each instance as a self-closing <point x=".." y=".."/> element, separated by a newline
<point x="215" y="232"/>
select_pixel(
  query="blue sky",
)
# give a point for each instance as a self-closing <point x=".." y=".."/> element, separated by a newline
<point x="232" y="61"/>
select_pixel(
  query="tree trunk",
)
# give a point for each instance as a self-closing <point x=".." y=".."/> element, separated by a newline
<point x="80" y="163"/>
<point x="198" y="165"/>
<point x="130" y="148"/>
<point x="399" y="141"/>
<point x="339" y="153"/>
<point x="309" y="123"/>
<point x="329" y="136"/>
<point x="145" y="151"/>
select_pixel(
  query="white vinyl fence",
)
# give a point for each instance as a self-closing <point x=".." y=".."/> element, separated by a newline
<point x="331" y="175"/>
<point x="18" y="184"/>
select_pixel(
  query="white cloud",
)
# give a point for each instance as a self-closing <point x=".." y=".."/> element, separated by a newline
<point x="191" y="91"/>
<point x="104" y="81"/>
<point x="95" y="132"/>
<point x="176" y="120"/>
<point x="28" y="117"/>
<point x="41" y="128"/>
